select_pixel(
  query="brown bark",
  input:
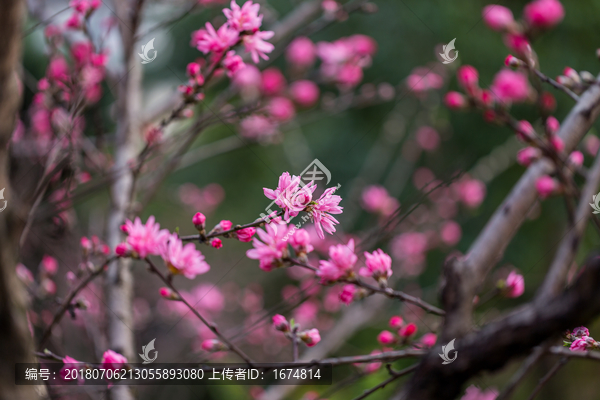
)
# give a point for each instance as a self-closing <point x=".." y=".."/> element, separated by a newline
<point x="16" y="345"/>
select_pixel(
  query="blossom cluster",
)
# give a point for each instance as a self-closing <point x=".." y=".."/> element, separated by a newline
<point x="580" y="340"/>
<point x="148" y="239"/>
<point x="310" y="337"/>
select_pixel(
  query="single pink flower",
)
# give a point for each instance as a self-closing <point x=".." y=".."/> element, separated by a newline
<point x="212" y="345"/>
<point x="113" y="360"/>
<point x="557" y="143"/>
<point x="544" y="13"/>
<point x="545" y="186"/>
<point x="257" y="126"/>
<point x="408" y="331"/>
<point x="198" y="220"/>
<point x="515" y="285"/>
<point x="468" y="78"/>
<point x="576" y="158"/>
<point x="246" y="234"/>
<point x="122" y="250"/>
<point x="363" y="45"/>
<point x="207" y="40"/>
<point x="450" y="233"/>
<point x="301" y="52"/>
<point x="471" y="192"/>
<point x="510" y="86"/>
<point x="386" y="338"/>
<point x="273" y="82"/>
<point x="255" y="45"/>
<point x="581" y="331"/>
<point x="185" y="260"/>
<point x="304" y="92"/>
<point x="552" y="124"/>
<point x="49" y="264"/>
<point x="474" y="393"/>
<point x="310" y="337"/>
<point x="518" y="43"/>
<point x="269" y="247"/>
<point x="58" y="69"/>
<point x="579" y="344"/>
<point x="321" y="212"/>
<point x="216" y="243"/>
<point x="376" y="199"/>
<point x="378" y="265"/>
<point x="290" y="196"/>
<point x="428" y="138"/>
<point x="497" y="17"/>
<point x="145" y="239"/>
<point x="281" y="109"/>
<point x="455" y="100"/>
<point x="347" y="294"/>
<point x="233" y="63"/>
<point x="300" y="242"/>
<point x="428" y="340"/>
<point x="248" y="77"/>
<point x="69" y="364"/>
<point x="341" y="261"/>
<point x="280" y="323"/>
<point x="225" y="225"/>
<point x="244" y="18"/>
<point x="396" y="322"/>
<point x="528" y="155"/>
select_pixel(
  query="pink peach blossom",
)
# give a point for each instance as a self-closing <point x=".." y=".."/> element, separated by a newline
<point x="375" y="199"/>
<point x="290" y="196"/>
<point x="378" y="265"/>
<point x="428" y="138"/>
<point x="527" y="155"/>
<point x="300" y="241"/>
<point x="257" y="46"/>
<point x="269" y="247"/>
<point x="281" y="109"/>
<point x="497" y="17"/>
<point x="301" y="52"/>
<point x="185" y="260"/>
<point x="280" y="323"/>
<point x="273" y="81"/>
<point x="310" y="337"/>
<point x="386" y="338"/>
<point x="450" y="233"/>
<point x="145" y="239"/>
<point x="321" y="212"/>
<point x="545" y="186"/>
<point x="471" y="192"/>
<point x="544" y="13"/>
<point x="510" y="86"/>
<point x="515" y="285"/>
<point x="396" y="322"/>
<point x="304" y="92"/>
<point x="576" y="158"/>
<point x="244" y="18"/>
<point x="49" y="264"/>
<point x="209" y="39"/>
<point x="347" y="294"/>
<point x="246" y="234"/>
<point x="455" y="100"/>
<point x="581" y="331"/>
<point x="113" y="360"/>
<point x="408" y="331"/>
<point x="468" y="78"/>
<point x="233" y="63"/>
<point x="428" y="340"/>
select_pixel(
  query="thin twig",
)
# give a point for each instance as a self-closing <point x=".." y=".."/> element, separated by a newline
<point x="395" y="375"/>
<point x="210" y="325"/>
<point x="67" y="302"/>
<point x="547" y="377"/>
<point x="533" y="358"/>
<point x="555" y="84"/>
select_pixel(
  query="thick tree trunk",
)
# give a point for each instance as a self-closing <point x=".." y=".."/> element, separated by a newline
<point x="16" y="344"/>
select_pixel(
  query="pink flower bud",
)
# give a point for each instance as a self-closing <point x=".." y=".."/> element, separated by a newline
<point x="517" y="43"/>
<point x="121" y="250"/>
<point x="193" y="69"/>
<point x="525" y="130"/>
<point x="305" y="93"/>
<point x="512" y="61"/>
<point x="548" y="101"/>
<point x="455" y="100"/>
<point x="557" y="143"/>
<point x="553" y="125"/>
<point x="225" y="225"/>
<point x="528" y="155"/>
<point x="486" y="97"/>
<point x="576" y="158"/>
<point x="310" y="337"/>
<point x="544" y="13"/>
<point x="497" y="17"/>
<point x="515" y="285"/>
<point x="198" y="220"/>
<point x="216" y="243"/>
<point x="153" y="135"/>
<point x="450" y="233"/>
<point x="212" y="345"/>
<point x="245" y="235"/>
<point x="301" y="52"/>
<point x="168" y="293"/>
<point x="428" y="340"/>
<point x="273" y="81"/>
<point x="113" y="360"/>
<point x="545" y="186"/>
<point x="49" y="264"/>
<point x="408" y="331"/>
<point x="386" y="338"/>
<point x="347" y="294"/>
<point x="124" y="228"/>
<point x="281" y="323"/>
<point x="468" y="77"/>
<point x="579" y="344"/>
<point x="85" y="243"/>
<point x="396" y="322"/>
<point x="281" y="109"/>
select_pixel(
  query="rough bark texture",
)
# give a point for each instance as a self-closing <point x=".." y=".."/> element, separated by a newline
<point x="15" y="340"/>
<point x="511" y="336"/>
<point x="118" y="283"/>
